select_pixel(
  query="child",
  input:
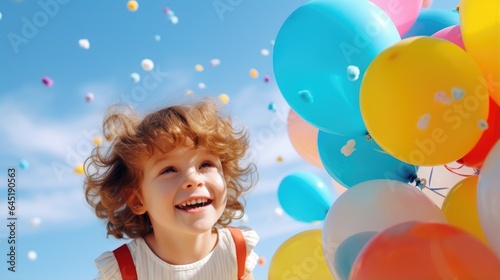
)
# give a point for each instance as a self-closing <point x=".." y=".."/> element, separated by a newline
<point x="171" y="181"/>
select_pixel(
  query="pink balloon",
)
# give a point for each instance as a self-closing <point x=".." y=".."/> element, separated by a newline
<point x="403" y="13"/>
<point x="304" y="138"/>
<point x="452" y="34"/>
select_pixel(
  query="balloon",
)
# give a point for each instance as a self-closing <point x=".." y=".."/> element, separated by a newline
<point x="348" y="251"/>
<point x="419" y="106"/>
<point x="476" y="156"/>
<point x="402" y="13"/>
<point x="460" y="207"/>
<point x="304" y="196"/>
<point x="480" y="25"/>
<point x="430" y="21"/>
<point x="303" y="137"/>
<point x="313" y="51"/>
<point x="352" y="160"/>
<point x="374" y="206"/>
<point x="488" y="198"/>
<point x="452" y="34"/>
<point x="417" y="250"/>
<point x="300" y="257"/>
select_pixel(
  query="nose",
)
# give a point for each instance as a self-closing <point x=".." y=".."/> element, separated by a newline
<point x="193" y="179"/>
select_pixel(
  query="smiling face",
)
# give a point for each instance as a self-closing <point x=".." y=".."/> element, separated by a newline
<point x="183" y="190"/>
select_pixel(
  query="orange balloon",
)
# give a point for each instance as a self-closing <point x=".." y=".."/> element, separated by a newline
<point x="416" y="250"/>
<point x="476" y="156"/>
<point x="460" y="207"/>
<point x="304" y="138"/>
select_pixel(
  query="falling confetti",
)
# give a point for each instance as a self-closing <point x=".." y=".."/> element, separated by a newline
<point x="47" y="81"/>
<point x="79" y="169"/>
<point x="174" y="20"/>
<point x="457" y="93"/>
<point x="1" y="16"/>
<point x="279" y="159"/>
<point x="135" y="77"/>
<point x="278" y="211"/>
<point x="423" y="122"/>
<point x="147" y="64"/>
<point x="171" y="15"/>
<point x="254" y="73"/>
<point x="157" y="38"/>
<point x="264" y="52"/>
<point x="35" y="222"/>
<point x="215" y="62"/>
<point x="262" y="261"/>
<point x="189" y="92"/>
<point x="97" y="141"/>
<point x="352" y="73"/>
<point x="267" y="78"/>
<point x="271" y="107"/>
<point x="483" y="125"/>
<point x="24" y="164"/>
<point x="348" y="148"/>
<point x="198" y="67"/>
<point x="32" y="255"/>
<point x="132" y="5"/>
<point x="89" y="97"/>
<point x="272" y="42"/>
<point x="224" y="98"/>
<point x="441" y="97"/>
<point x="84" y="43"/>
<point x="201" y="85"/>
<point x="306" y="96"/>
<point x="316" y="223"/>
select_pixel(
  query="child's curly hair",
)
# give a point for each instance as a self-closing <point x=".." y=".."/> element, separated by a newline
<point x="112" y="176"/>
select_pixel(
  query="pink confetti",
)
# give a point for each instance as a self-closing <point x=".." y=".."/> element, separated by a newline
<point x="47" y="81"/>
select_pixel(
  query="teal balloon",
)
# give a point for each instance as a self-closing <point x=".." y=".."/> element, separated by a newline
<point x="347" y="252"/>
<point x="304" y="196"/>
<point x="352" y="160"/>
<point x="313" y="52"/>
<point x="430" y="21"/>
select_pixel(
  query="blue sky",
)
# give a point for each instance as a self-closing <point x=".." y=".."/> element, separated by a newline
<point x="52" y="127"/>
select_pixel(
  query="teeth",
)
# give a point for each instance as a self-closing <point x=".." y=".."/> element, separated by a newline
<point x="193" y="201"/>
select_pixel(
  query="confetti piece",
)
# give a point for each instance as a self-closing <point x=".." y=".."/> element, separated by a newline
<point x="79" y="169"/>
<point x="147" y="64"/>
<point x="423" y="122"/>
<point x="224" y="98"/>
<point x="201" y="85"/>
<point x="135" y="77"/>
<point x="261" y="261"/>
<point x="306" y="96"/>
<point x="267" y="78"/>
<point x="215" y="62"/>
<point x="32" y="255"/>
<point x="316" y="223"/>
<point x="271" y="107"/>
<point x="157" y="38"/>
<point x="24" y="164"/>
<point x="132" y="5"/>
<point x="47" y="81"/>
<point x="84" y="43"/>
<point x="352" y="73"/>
<point x="35" y="222"/>
<point x="272" y="42"/>
<point x="198" y="67"/>
<point x="97" y="141"/>
<point x="441" y="97"/>
<point x="174" y="20"/>
<point x="279" y="159"/>
<point x="278" y="211"/>
<point x="348" y="148"/>
<point x="1" y="16"/>
<point x="189" y="92"/>
<point x="89" y="97"/>
<point x="483" y="125"/>
<point x="264" y="52"/>
<point x="457" y="93"/>
<point x="254" y="73"/>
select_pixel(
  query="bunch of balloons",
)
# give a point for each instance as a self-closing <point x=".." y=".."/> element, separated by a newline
<point x="378" y="89"/>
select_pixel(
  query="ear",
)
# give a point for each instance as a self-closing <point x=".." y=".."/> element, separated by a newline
<point x="135" y="203"/>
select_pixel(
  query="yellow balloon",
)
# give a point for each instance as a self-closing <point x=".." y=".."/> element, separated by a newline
<point x="460" y="207"/>
<point x="300" y="257"/>
<point x="480" y="27"/>
<point x="423" y="102"/>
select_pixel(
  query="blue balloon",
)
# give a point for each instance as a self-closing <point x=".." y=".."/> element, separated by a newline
<point x="430" y="21"/>
<point x="352" y="160"/>
<point x="316" y="49"/>
<point x="305" y="197"/>
<point x="347" y="252"/>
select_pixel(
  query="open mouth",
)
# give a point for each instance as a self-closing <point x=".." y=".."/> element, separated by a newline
<point x="193" y="204"/>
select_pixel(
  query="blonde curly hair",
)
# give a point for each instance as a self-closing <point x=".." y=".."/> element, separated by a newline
<point x="114" y="174"/>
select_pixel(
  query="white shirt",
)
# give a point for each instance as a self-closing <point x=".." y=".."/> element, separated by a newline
<point x="219" y="264"/>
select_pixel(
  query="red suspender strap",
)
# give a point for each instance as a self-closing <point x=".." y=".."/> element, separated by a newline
<point x="125" y="262"/>
<point x="241" y="250"/>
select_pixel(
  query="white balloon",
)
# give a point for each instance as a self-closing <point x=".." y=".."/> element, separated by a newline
<point x="374" y="206"/>
<point x="488" y="198"/>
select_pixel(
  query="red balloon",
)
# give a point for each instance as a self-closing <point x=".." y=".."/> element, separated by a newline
<point x="417" y="250"/>
<point x="476" y="156"/>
